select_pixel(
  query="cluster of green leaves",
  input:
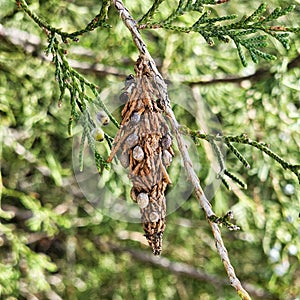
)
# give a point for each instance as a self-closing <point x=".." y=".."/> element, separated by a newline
<point x="219" y="27"/>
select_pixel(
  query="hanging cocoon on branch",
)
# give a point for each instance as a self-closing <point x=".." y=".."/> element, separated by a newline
<point x="144" y="146"/>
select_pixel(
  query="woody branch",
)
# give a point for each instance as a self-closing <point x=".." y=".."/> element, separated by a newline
<point x="131" y="24"/>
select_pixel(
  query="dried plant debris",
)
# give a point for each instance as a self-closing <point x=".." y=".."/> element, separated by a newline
<point x="144" y="146"/>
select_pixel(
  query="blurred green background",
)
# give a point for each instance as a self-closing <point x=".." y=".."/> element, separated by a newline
<point x="55" y="245"/>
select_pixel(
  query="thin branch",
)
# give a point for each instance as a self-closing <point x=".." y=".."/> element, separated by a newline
<point x="181" y="268"/>
<point x="32" y="44"/>
<point x="258" y="75"/>
<point x="97" y="21"/>
<point x="177" y="268"/>
<point x="243" y="139"/>
<point x="255" y="77"/>
<point x="97" y="69"/>
<point x="295" y="63"/>
<point x="131" y="24"/>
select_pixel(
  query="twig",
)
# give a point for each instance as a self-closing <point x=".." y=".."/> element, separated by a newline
<point x="258" y="75"/>
<point x="32" y="44"/>
<point x="255" y="77"/>
<point x="180" y="268"/>
<point x="243" y="139"/>
<point x="97" y="21"/>
<point x="131" y="24"/>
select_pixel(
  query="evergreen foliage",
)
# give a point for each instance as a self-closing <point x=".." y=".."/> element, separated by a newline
<point x="54" y="244"/>
<point x="238" y="31"/>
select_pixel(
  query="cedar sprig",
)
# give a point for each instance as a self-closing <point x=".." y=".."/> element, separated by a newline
<point x="238" y="154"/>
<point x="70" y="80"/>
<point x="219" y="154"/>
<point x="221" y="27"/>
<point x="88" y="126"/>
<point x="242" y="139"/>
<point x="149" y="14"/>
<point x="226" y="183"/>
<point x="224" y="220"/>
<point x="182" y="8"/>
<point x="98" y="21"/>
<point x="240" y="182"/>
<point x="223" y="171"/>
